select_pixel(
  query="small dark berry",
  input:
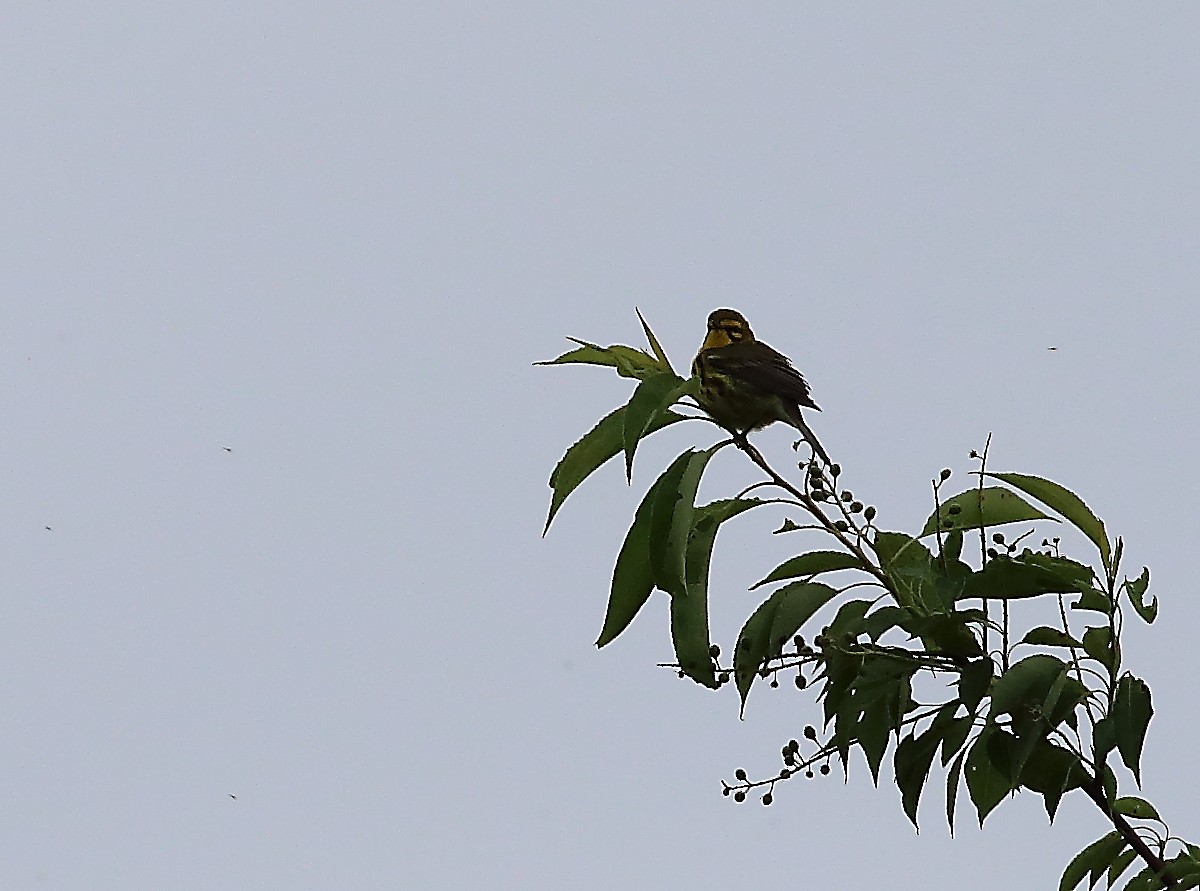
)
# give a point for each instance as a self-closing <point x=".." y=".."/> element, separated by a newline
<point x="768" y="798"/>
<point x="739" y="797"/>
<point x="841" y="526"/>
<point x="808" y="773"/>
<point x="824" y="770"/>
<point x="870" y="513"/>
<point x="724" y="677"/>
<point x="856" y="507"/>
<point x="945" y="474"/>
<point x="998" y="538"/>
<point x="801" y="682"/>
<point x="725" y="791"/>
<point x="774" y="685"/>
<point x="954" y="510"/>
<point x="847" y="495"/>
<point x="793" y="745"/>
<point x="835" y="469"/>
<point x="714" y="651"/>
<point x="810" y="732"/>
<point x="991" y="552"/>
<point x="740" y="775"/>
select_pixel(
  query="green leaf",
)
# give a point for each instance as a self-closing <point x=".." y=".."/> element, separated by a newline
<point x="1138" y="808"/>
<point x="974" y="681"/>
<point x="1065" y="502"/>
<point x="1095" y="600"/>
<point x="777" y="619"/>
<point x="993" y="506"/>
<point x="1099" y="853"/>
<point x="654" y="344"/>
<point x="1050" y="771"/>
<point x="917" y="579"/>
<point x="1119" y="865"/>
<point x="653" y="395"/>
<point x="953" y="776"/>
<point x="689" y="614"/>
<point x="598" y="445"/>
<point x="952" y="546"/>
<point x="671" y="523"/>
<point x="1045" y="636"/>
<point x="1104" y="739"/>
<point x="1136" y="589"/>
<point x="913" y="758"/>
<point x="633" y="577"/>
<point x="955" y="736"/>
<point x="948" y="633"/>
<point x="1131" y="714"/>
<point x="987" y="770"/>
<point x="1025" y="688"/>
<point x="1098" y="643"/>
<point x="1029" y="575"/>
<point x="628" y="362"/>
<point x="873" y="728"/>
<point x="849" y="619"/>
<point x="883" y="620"/>
<point x="809" y="565"/>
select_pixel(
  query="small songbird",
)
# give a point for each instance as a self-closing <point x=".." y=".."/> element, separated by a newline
<point x="745" y="384"/>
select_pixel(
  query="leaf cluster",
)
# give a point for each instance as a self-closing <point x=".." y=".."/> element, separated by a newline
<point x="1045" y="711"/>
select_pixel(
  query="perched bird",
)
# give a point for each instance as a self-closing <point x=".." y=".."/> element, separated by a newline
<point x="745" y="384"/>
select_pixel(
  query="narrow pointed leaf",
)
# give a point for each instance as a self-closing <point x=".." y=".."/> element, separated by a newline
<point x="654" y="344"/>
<point x="994" y="506"/>
<point x="987" y="781"/>
<point x="1101" y="851"/>
<point x="808" y="565"/>
<point x="1097" y="643"/>
<point x="1045" y="636"/>
<point x="1065" y="502"/>
<point x="1119" y="865"/>
<point x="628" y="361"/>
<point x="596" y="447"/>
<point x="670" y="562"/>
<point x="667" y="555"/>
<point x="911" y="763"/>
<point x="1131" y="713"/>
<point x="653" y="395"/>
<point x="1029" y="575"/>
<point x="778" y="617"/>
<point x="633" y="577"/>
<point x="955" y="737"/>
<point x="689" y="614"/>
<point x="974" y="682"/>
<point x="953" y="778"/>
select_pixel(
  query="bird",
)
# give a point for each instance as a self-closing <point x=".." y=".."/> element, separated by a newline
<point x="746" y="385"/>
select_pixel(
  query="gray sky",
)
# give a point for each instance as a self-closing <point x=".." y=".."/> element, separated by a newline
<point x="332" y="238"/>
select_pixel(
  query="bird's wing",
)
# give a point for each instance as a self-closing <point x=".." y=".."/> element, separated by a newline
<point x="763" y="367"/>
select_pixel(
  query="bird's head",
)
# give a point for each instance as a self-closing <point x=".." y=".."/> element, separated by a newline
<point x="726" y="326"/>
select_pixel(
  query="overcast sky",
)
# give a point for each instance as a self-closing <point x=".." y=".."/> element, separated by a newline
<point x="275" y="456"/>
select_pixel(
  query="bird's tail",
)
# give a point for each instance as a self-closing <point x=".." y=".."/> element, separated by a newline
<point x="798" y="422"/>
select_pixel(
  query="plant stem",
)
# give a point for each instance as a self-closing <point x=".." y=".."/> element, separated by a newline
<point x="1095" y="791"/>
